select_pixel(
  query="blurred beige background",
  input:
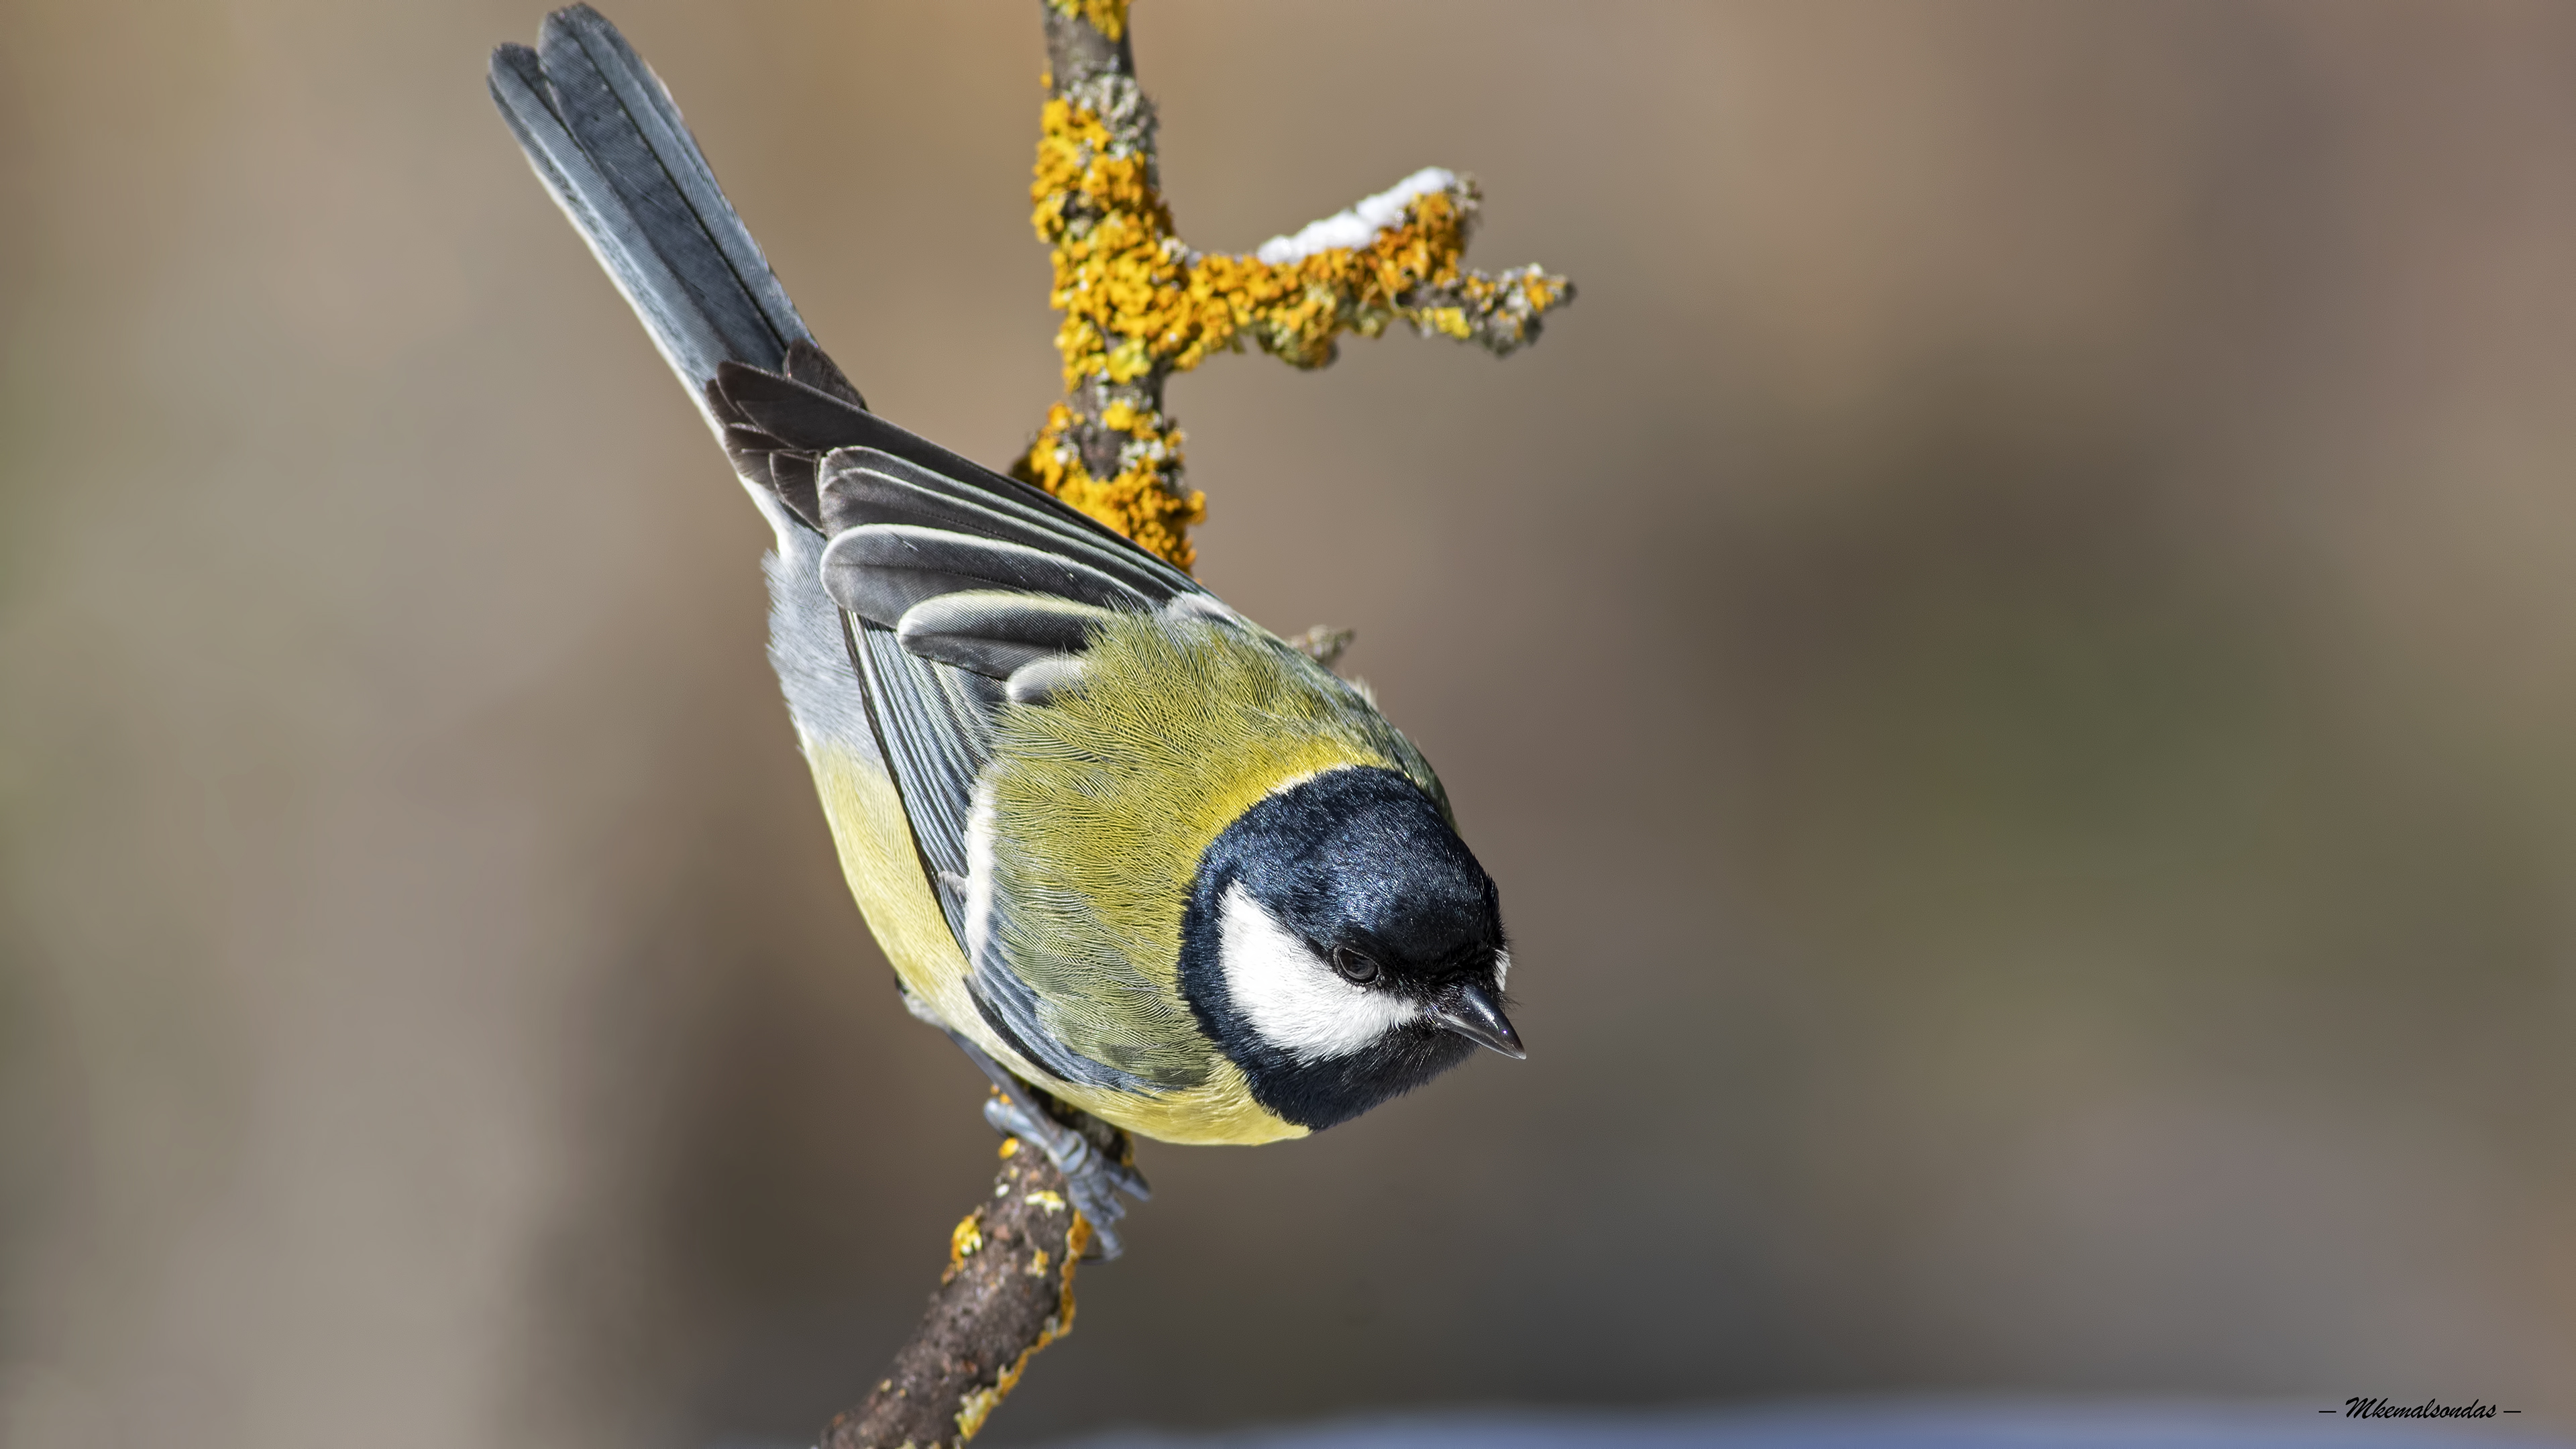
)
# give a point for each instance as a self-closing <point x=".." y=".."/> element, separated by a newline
<point x="2015" y="657"/>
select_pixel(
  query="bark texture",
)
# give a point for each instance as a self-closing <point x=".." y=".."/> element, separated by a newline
<point x="1007" y="1293"/>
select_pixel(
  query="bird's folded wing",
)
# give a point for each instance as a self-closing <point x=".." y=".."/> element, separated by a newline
<point x="964" y="591"/>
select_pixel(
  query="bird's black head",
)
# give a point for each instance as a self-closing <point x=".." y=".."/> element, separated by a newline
<point x="1343" y="947"/>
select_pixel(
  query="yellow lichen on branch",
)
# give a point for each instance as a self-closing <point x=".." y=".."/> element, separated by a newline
<point x="1143" y="499"/>
<point x="964" y="1241"/>
<point x="1140" y="305"/>
<point x="1109" y="17"/>
<point x="977" y="1406"/>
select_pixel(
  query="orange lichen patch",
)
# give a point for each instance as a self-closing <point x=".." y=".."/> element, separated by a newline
<point x="1139" y="306"/>
<point x="978" y="1406"/>
<point x="1136" y="301"/>
<point x="1109" y="17"/>
<point x="1116" y="259"/>
<point x="1076" y="1239"/>
<point x="1143" y="500"/>
<point x="964" y="1241"/>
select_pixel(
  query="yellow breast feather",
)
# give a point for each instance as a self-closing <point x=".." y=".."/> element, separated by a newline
<point x="884" y="874"/>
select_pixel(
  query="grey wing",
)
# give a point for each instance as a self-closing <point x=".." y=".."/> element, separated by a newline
<point x="953" y="589"/>
<point x="961" y="598"/>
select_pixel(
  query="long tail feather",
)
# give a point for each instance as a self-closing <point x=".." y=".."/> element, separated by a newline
<point x="607" y="140"/>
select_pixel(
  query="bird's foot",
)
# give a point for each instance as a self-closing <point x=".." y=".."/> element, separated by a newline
<point x="1095" y="1168"/>
<point x="1096" y="1159"/>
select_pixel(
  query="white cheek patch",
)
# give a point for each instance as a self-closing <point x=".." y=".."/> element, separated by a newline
<point x="1293" y="1000"/>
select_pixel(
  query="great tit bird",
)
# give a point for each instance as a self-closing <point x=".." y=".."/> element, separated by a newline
<point x="1123" y="844"/>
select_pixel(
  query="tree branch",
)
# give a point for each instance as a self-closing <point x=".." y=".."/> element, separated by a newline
<point x="1140" y="305"/>
<point x="1007" y="1293"/>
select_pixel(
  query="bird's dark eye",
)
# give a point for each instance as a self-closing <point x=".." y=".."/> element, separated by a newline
<point x="1355" y="967"/>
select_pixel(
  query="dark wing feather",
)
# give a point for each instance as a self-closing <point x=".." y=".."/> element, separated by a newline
<point x="783" y="412"/>
<point x="997" y="634"/>
<point x="880" y="570"/>
<point x="860" y="486"/>
<point x="799" y="415"/>
<point x="934" y="724"/>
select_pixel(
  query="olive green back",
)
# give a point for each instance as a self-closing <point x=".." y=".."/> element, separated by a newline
<point x="1106" y="797"/>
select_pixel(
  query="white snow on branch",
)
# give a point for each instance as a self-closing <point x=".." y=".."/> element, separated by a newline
<point x="1360" y="225"/>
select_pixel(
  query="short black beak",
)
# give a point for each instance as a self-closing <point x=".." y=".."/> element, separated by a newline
<point x="1471" y="1011"/>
